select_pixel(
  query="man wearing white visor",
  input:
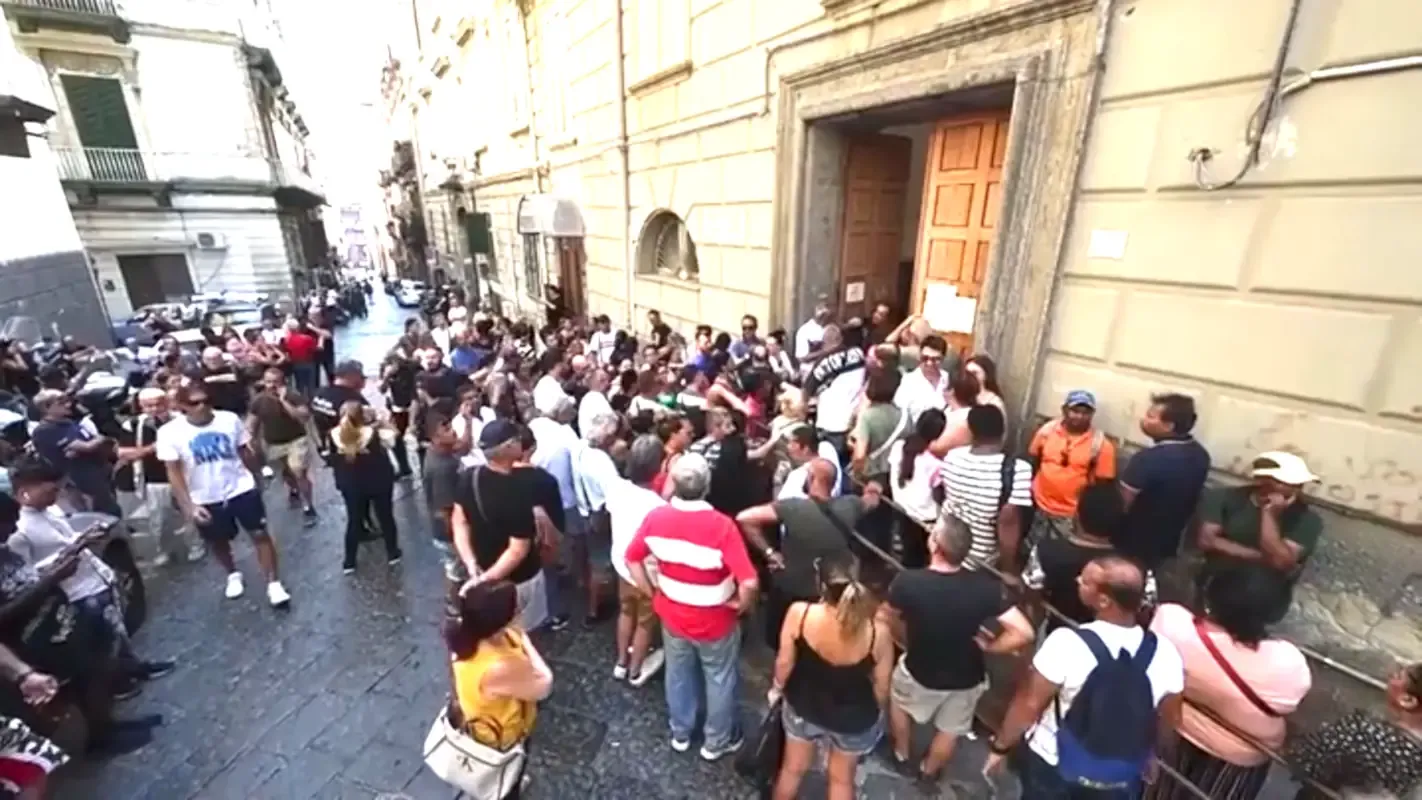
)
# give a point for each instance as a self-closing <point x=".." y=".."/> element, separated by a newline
<point x="1265" y="525"/>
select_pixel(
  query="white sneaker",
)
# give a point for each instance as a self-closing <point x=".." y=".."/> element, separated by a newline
<point x="619" y="672"/>
<point x="651" y="665"/>
<point x="277" y="596"/>
<point x="235" y="586"/>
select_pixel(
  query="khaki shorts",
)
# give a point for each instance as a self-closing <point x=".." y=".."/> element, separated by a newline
<point x="293" y="455"/>
<point x="636" y="605"/>
<point x="950" y="710"/>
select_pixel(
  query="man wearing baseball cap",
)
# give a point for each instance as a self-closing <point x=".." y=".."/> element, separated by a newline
<point x="1070" y="453"/>
<point x="494" y="523"/>
<point x="1262" y="525"/>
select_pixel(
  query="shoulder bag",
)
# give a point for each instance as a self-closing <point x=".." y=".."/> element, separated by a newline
<point x="1231" y="674"/>
<point x="477" y="770"/>
<point x="893" y="437"/>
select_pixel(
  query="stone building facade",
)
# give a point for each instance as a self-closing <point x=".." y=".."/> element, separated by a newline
<point x="179" y="147"/>
<point x="1042" y="178"/>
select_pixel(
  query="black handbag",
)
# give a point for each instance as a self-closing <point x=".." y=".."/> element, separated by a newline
<point x="760" y="762"/>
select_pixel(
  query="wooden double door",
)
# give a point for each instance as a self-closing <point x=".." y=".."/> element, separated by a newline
<point x="962" y="197"/>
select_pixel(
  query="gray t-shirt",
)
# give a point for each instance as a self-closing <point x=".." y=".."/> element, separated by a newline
<point x="880" y="426"/>
<point x="808" y="534"/>
<point x="441" y="481"/>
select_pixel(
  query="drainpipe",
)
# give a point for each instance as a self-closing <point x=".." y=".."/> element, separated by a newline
<point x="417" y="152"/>
<point x="624" y="171"/>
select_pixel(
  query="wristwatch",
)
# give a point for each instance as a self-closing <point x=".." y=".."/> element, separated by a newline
<point x="998" y="749"/>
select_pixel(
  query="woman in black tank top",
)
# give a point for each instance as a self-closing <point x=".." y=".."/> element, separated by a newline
<point x="833" y="672"/>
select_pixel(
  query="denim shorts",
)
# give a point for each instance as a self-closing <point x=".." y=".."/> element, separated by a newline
<point x="245" y="511"/>
<point x="858" y="744"/>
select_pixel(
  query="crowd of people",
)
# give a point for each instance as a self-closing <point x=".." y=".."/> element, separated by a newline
<point x="851" y="486"/>
<point x="846" y="491"/>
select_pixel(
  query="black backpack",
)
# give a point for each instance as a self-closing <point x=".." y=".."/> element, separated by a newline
<point x="1108" y="735"/>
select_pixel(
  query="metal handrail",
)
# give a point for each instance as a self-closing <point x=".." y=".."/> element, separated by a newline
<point x="1064" y="619"/>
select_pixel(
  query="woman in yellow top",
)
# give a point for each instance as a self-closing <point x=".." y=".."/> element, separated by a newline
<point x="499" y="676"/>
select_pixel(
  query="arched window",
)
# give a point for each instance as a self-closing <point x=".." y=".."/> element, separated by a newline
<point x="665" y="248"/>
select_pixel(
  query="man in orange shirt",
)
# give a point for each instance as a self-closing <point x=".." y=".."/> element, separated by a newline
<point x="1069" y="453"/>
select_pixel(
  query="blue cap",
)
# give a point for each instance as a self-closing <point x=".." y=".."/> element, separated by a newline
<point x="1080" y="397"/>
<point x="497" y="433"/>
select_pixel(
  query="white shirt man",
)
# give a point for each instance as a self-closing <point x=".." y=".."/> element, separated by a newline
<point x="554" y="453"/>
<point x="594" y="405"/>
<point x="798" y="480"/>
<point x="211" y="456"/>
<point x="41" y="534"/>
<point x="916" y="394"/>
<point x="807" y="337"/>
<point x="547" y="393"/>
<point x="602" y="343"/>
<point x="1065" y="660"/>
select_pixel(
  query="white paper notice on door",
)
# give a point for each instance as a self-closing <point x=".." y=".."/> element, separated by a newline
<point x="854" y="292"/>
<point x="948" y="312"/>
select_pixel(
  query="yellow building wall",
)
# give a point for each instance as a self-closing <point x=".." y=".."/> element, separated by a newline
<point x="1287" y="305"/>
<point x="701" y="126"/>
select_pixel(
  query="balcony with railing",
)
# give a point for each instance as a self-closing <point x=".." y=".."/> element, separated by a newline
<point x="113" y="166"/>
<point x="104" y="17"/>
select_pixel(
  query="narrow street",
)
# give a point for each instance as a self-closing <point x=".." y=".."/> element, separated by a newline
<point x="333" y="698"/>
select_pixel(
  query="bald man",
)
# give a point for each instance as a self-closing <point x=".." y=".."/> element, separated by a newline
<point x="1113" y="588"/>
<point x="805" y="529"/>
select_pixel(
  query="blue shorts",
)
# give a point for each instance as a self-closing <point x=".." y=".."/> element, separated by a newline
<point x="857" y="744"/>
<point x="245" y="511"/>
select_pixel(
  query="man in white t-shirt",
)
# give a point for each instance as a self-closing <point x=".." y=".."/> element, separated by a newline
<point x="211" y="468"/>
<point x="603" y="340"/>
<point x="1114" y="588"/>
<point x="553" y="453"/>
<point x="594" y="403"/>
<point x="801" y="447"/>
<point x="549" y="389"/>
<point x="835" y="380"/>
<point x="629" y="501"/>
<point x="44" y="539"/>
<point x="811" y="335"/>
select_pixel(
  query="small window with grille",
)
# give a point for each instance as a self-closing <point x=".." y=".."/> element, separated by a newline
<point x="665" y="248"/>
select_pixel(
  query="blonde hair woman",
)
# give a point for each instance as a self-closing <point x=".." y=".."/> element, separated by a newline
<point x="366" y="479"/>
<point x="833" y="668"/>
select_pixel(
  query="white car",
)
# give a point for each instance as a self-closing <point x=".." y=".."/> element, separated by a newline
<point x="410" y="294"/>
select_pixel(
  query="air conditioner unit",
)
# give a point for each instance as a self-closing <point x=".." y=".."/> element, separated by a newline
<point x="210" y="241"/>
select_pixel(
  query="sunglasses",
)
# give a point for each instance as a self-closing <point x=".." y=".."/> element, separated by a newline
<point x="198" y="402"/>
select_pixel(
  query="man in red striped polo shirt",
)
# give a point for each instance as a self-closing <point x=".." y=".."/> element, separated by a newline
<point x="703" y="581"/>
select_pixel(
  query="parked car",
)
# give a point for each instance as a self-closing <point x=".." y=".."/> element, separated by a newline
<point x="410" y="294"/>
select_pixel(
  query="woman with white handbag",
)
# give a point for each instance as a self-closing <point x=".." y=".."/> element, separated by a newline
<point x="478" y="743"/>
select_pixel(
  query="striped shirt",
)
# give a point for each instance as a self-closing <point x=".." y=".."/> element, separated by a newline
<point x="700" y="558"/>
<point x="972" y="484"/>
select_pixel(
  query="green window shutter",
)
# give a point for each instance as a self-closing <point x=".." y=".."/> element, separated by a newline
<point x="477" y="229"/>
<point x="100" y="112"/>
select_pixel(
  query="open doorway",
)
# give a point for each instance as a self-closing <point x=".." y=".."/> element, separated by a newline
<point x="919" y="193"/>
